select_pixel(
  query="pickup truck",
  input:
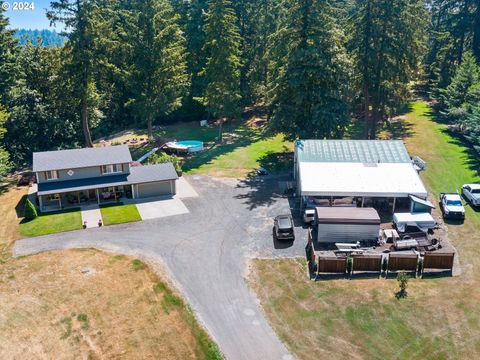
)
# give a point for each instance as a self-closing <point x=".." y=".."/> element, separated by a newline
<point x="472" y="193"/>
<point x="452" y="206"/>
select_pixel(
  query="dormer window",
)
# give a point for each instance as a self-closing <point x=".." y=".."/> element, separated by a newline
<point x="111" y="169"/>
<point x="51" y="175"/>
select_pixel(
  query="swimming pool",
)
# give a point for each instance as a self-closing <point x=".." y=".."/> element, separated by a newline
<point x="186" y="145"/>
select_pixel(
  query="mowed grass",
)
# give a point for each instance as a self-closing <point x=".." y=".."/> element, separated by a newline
<point x="118" y="214"/>
<point x="361" y="318"/>
<point x="88" y="304"/>
<point x="237" y="160"/>
<point x="52" y="222"/>
<point x="245" y="147"/>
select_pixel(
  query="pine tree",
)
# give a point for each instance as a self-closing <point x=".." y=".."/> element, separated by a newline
<point x="79" y="17"/>
<point x="158" y="72"/>
<point x="8" y="54"/>
<point x="195" y="36"/>
<point x="388" y="41"/>
<point x="466" y="75"/>
<point x="5" y="164"/>
<point x="222" y="71"/>
<point x="41" y="104"/>
<point x="309" y="78"/>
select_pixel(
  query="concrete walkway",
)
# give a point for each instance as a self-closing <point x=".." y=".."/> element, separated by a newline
<point x="205" y="254"/>
<point x="91" y="214"/>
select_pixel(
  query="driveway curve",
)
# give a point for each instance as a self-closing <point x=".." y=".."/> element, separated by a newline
<point x="205" y="254"/>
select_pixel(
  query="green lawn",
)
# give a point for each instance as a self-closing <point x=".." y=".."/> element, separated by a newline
<point x="118" y="214"/>
<point x="53" y="222"/>
<point x="340" y="319"/>
<point x="239" y="159"/>
<point x="245" y="148"/>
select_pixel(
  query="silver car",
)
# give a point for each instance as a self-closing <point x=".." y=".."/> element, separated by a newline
<point x="472" y="193"/>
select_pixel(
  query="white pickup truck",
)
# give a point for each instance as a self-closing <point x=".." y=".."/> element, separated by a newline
<point x="472" y="193"/>
<point x="452" y="206"/>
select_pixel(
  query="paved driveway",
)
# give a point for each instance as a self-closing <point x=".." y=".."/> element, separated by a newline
<point x="205" y="253"/>
<point x="152" y="209"/>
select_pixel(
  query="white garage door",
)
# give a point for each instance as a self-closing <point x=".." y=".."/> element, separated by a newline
<point x="154" y="189"/>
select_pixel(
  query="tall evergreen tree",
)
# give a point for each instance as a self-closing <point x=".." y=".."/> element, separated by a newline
<point x="309" y="79"/>
<point x="466" y="75"/>
<point x="79" y="18"/>
<point x="158" y="71"/>
<point x="40" y="117"/>
<point x="8" y="54"/>
<point x="388" y="41"/>
<point x="222" y="71"/>
<point x="192" y="22"/>
<point x="5" y="164"/>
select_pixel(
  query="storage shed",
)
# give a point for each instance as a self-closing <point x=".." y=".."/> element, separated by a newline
<point x="346" y="224"/>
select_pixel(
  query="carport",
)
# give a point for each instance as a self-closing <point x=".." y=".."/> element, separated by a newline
<point x="362" y="170"/>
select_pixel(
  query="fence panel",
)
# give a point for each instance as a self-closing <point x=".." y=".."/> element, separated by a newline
<point x="442" y="261"/>
<point x="367" y="263"/>
<point x="331" y="265"/>
<point x="407" y="262"/>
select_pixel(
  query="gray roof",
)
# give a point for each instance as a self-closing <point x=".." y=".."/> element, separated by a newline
<point x="138" y="175"/>
<point x="80" y="158"/>
<point x="150" y="173"/>
<point x="353" y="151"/>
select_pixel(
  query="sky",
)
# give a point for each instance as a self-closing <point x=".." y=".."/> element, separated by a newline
<point x="30" y="19"/>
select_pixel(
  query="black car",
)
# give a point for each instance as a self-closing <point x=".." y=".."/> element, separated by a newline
<point x="283" y="227"/>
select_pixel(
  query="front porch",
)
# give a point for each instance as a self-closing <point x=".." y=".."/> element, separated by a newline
<point x="75" y="199"/>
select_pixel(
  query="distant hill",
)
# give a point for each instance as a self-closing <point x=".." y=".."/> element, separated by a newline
<point x="48" y="37"/>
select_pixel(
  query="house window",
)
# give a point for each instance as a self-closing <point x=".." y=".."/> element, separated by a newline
<point x="111" y="169"/>
<point x="51" y="175"/>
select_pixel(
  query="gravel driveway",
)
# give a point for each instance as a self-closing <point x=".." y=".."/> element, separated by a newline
<point x="205" y="253"/>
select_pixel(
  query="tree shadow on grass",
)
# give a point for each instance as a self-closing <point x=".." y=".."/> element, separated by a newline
<point x="455" y="138"/>
<point x="277" y="162"/>
<point x="397" y="129"/>
<point x="244" y="137"/>
<point x="473" y="157"/>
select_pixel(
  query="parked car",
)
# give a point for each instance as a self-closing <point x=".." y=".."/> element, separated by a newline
<point x="309" y="216"/>
<point x="472" y="193"/>
<point x="452" y="206"/>
<point x="283" y="227"/>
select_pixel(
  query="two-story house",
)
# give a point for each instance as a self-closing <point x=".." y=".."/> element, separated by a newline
<point x="69" y="178"/>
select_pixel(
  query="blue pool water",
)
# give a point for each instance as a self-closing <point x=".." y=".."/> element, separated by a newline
<point x="189" y="143"/>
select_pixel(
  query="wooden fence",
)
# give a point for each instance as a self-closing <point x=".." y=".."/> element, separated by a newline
<point x="443" y="261"/>
<point x="406" y="262"/>
<point x="367" y="263"/>
<point x="332" y="264"/>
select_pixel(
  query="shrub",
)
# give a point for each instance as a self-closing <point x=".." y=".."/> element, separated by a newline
<point x="349" y="265"/>
<point x="402" y="279"/>
<point x="162" y="158"/>
<point x="84" y="320"/>
<point x="385" y="264"/>
<point x="138" y="265"/>
<point x="30" y="212"/>
<point x="420" y="265"/>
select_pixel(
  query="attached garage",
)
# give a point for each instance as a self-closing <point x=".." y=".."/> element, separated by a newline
<point x="153" y="180"/>
<point x="152" y="189"/>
